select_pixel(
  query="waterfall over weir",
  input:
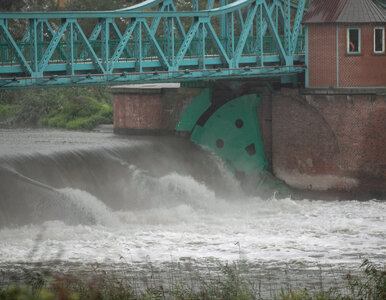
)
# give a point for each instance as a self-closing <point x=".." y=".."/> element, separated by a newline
<point x="69" y="200"/>
<point x="83" y="186"/>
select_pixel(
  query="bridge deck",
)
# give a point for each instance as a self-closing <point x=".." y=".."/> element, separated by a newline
<point x="130" y="45"/>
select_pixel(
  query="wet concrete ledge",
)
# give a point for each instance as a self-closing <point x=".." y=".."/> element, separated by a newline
<point x="344" y="91"/>
<point x="140" y="89"/>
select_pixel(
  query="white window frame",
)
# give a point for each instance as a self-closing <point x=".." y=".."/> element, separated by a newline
<point x="383" y="40"/>
<point x="359" y="40"/>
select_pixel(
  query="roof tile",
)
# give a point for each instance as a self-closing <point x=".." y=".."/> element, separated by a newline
<point x="345" y="11"/>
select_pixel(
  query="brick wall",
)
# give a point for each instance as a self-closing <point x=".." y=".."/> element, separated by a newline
<point x="149" y="109"/>
<point x="137" y="111"/>
<point x="361" y="70"/>
<point x="355" y="70"/>
<point x="331" y="142"/>
<point x="322" y="55"/>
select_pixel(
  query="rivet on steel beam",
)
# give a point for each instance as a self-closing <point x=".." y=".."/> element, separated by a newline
<point x="124" y="74"/>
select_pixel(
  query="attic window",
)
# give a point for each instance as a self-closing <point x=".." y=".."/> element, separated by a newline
<point x="353" y="40"/>
<point x="379" y="40"/>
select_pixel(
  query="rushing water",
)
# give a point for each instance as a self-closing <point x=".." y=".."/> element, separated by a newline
<point x="69" y="200"/>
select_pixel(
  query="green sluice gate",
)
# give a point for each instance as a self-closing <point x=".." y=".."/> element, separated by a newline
<point x="232" y="131"/>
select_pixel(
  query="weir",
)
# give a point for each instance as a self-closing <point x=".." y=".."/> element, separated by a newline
<point x="235" y="63"/>
<point x="84" y="184"/>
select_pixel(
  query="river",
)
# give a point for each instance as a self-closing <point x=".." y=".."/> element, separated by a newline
<point x="71" y="200"/>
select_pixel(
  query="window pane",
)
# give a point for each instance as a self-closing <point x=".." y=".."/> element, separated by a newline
<point x="378" y="40"/>
<point x="353" y="40"/>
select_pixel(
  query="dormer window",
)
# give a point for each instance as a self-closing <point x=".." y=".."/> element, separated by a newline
<point x="379" y="40"/>
<point x="353" y="40"/>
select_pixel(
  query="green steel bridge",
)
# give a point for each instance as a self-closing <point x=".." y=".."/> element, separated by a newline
<point x="152" y="42"/>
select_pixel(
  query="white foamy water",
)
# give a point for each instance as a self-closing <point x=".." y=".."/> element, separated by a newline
<point x="187" y="220"/>
<point x="73" y="201"/>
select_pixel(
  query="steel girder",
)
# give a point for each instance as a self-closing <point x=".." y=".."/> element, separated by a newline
<point x="153" y="46"/>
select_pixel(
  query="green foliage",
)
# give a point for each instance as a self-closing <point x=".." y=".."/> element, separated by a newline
<point x="306" y="295"/>
<point x="7" y="111"/>
<point x="229" y="285"/>
<point x="82" y="113"/>
<point x="69" y="108"/>
<point x="371" y="286"/>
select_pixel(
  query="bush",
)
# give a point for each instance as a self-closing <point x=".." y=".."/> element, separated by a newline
<point x="80" y="113"/>
<point x="69" y="108"/>
<point x="7" y="111"/>
<point x="229" y="285"/>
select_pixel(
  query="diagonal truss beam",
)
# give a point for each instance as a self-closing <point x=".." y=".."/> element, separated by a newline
<point x="187" y="42"/>
<point x="89" y="48"/>
<point x="245" y="33"/>
<point x="19" y="55"/>
<point x="297" y="24"/>
<point x="220" y="49"/>
<point x="122" y="44"/>
<point x="273" y="31"/>
<point x="52" y="46"/>
<point x="161" y="56"/>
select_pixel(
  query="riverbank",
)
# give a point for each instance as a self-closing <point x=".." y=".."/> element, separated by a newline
<point x="224" y="282"/>
<point x="66" y="108"/>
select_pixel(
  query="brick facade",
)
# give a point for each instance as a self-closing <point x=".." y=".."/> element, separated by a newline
<point x="143" y="111"/>
<point x="322" y="55"/>
<point x="365" y="69"/>
<point x="331" y="142"/>
<point x="353" y="70"/>
<point x="150" y="109"/>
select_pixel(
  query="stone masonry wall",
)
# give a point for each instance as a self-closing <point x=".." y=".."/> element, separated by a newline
<point x="331" y="141"/>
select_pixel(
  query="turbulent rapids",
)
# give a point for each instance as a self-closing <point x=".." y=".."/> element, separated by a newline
<point x="83" y="186"/>
<point x="83" y="198"/>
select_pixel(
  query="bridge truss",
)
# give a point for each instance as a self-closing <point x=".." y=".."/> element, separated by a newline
<point x="152" y="42"/>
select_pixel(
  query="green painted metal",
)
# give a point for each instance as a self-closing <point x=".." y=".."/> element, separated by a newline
<point x="55" y="45"/>
<point x="194" y="111"/>
<point x="297" y="29"/>
<point x="233" y="133"/>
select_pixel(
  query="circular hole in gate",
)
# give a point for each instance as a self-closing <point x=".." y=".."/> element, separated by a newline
<point x="219" y="143"/>
<point x="239" y="123"/>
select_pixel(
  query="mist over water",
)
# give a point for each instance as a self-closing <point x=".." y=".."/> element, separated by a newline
<point x="120" y="201"/>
